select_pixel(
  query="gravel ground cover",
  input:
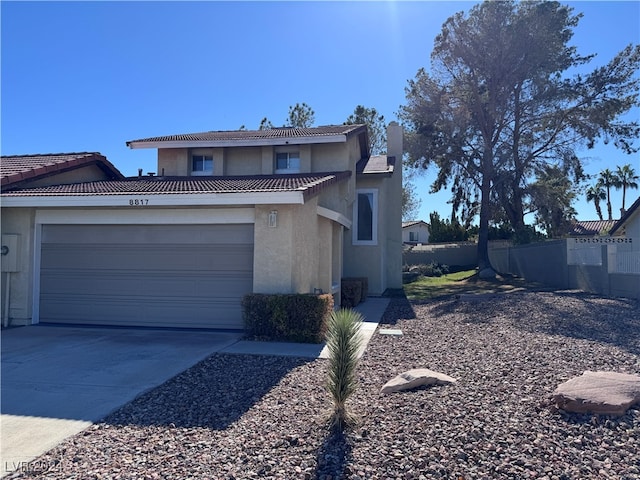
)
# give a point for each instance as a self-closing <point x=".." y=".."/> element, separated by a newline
<point x="240" y="416"/>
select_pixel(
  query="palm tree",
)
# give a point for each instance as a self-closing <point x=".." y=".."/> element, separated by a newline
<point x="595" y="193"/>
<point x="627" y="178"/>
<point x="608" y="179"/>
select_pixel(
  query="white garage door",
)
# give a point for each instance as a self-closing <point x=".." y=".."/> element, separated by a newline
<point x="154" y="275"/>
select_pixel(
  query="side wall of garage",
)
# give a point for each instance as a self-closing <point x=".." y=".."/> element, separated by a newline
<point x="18" y="222"/>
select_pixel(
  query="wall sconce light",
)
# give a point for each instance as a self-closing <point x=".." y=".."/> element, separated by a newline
<point x="273" y="219"/>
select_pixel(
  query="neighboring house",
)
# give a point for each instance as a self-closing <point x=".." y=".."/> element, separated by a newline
<point x="629" y="223"/>
<point x="415" y="232"/>
<point x="624" y="251"/>
<point x="286" y="210"/>
<point x="591" y="228"/>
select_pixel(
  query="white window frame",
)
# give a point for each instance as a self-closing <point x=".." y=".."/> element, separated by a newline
<point x="374" y="214"/>
<point x="289" y="154"/>
<point x="201" y="172"/>
<point x="413" y="236"/>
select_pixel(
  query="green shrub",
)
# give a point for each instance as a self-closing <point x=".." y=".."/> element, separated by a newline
<point x="364" y="286"/>
<point x="350" y="293"/>
<point x="343" y="343"/>
<point x="353" y="291"/>
<point x="287" y="317"/>
<point x="433" y="269"/>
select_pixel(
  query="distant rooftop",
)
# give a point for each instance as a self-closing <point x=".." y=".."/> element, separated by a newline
<point x="15" y="169"/>
<point x="412" y="223"/>
<point x="591" y="227"/>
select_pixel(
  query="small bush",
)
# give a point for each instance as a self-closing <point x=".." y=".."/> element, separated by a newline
<point x="343" y="343"/>
<point x="433" y="269"/>
<point x="353" y="291"/>
<point x="350" y="293"/>
<point x="287" y="317"/>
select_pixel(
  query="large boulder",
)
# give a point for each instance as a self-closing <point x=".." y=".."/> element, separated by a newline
<point x="415" y="378"/>
<point x="607" y="393"/>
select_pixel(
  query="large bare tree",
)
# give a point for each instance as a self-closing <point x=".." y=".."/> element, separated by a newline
<point x="502" y="103"/>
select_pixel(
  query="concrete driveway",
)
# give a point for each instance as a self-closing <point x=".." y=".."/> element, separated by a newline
<point x="56" y="381"/>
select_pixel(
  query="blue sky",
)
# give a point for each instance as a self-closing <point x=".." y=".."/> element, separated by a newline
<point x="88" y="76"/>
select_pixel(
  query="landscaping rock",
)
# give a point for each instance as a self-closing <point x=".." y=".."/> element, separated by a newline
<point x="607" y="393"/>
<point x="477" y="297"/>
<point x="487" y="274"/>
<point x="417" y="377"/>
<point x="232" y="416"/>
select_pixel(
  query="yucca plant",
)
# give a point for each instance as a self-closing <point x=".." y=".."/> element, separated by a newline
<point x="343" y="342"/>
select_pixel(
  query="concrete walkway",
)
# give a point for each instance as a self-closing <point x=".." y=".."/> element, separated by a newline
<point x="372" y="310"/>
<point x="57" y="381"/>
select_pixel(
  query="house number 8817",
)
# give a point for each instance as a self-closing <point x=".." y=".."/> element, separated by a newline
<point x="138" y="202"/>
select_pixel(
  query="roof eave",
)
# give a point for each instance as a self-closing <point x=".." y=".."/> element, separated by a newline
<point x="146" y="200"/>
<point x="378" y="173"/>
<point x="258" y="142"/>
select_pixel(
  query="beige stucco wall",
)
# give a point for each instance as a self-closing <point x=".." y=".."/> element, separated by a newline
<point x="367" y="260"/>
<point x="306" y="248"/>
<point x="380" y="263"/>
<point x="325" y="253"/>
<point x="272" y="266"/>
<point x="243" y="161"/>
<point x="330" y="157"/>
<point x="393" y="208"/>
<point x="297" y="255"/>
<point x="20" y="221"/>
<point x="174" y="161"/>
<point x="338" y="158"/>
<point x="177" y="161"/>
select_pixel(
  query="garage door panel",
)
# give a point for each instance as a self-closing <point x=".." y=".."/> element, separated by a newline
<point x="200" y="284"/>
<point x="148" y="258"/>
<point x="147" y="234"/>
<point x="151" y="312"/>
<point x="119" y="275"/>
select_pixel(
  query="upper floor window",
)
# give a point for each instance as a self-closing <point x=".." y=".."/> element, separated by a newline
<point x="201" y="165"/>
<point x="413" y="236"/>
<point x="365" y="230"/>
<point x="288" y="162"/>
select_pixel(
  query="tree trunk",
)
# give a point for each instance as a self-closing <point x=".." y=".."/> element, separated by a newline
<point x="485" y="213"/>
<point x="598" y="209"/>
<point x="517" y="210"/>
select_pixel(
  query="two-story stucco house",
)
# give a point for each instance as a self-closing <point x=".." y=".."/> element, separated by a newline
<point x="286" y="210"/>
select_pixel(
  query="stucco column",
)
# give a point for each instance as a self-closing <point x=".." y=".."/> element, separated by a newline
<point x="394" y="209"/>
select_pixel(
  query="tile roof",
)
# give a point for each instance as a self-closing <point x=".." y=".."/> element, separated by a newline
<point x="309" y="184"/>
<point x="245" y="135"/>
<point x="591" y="227"/>
<point x="414" y="222"/>
<point x="376" y="164"/>
<point x="625" y="217"/>
<point x="15" y="169"/>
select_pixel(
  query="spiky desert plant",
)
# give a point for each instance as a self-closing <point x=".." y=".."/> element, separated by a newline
<point x="343" y="343"/>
